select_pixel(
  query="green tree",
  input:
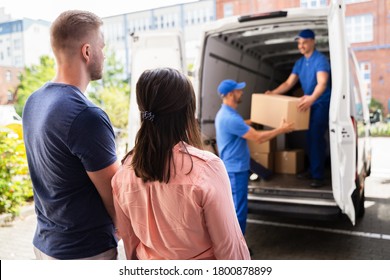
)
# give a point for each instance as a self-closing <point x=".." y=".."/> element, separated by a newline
<point x="112" y="92"/>
<point x="32" y="79"/>
<point x="375" y="105"/>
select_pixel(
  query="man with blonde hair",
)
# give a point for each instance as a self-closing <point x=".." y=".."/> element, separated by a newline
<point x="70" y="146"/>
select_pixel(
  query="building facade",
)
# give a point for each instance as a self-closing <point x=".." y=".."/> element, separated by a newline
<point x="186" y="18"/>
<point x="9" y="80"/>
<point x="22" y="43"/>
<point x="368" y="29"/>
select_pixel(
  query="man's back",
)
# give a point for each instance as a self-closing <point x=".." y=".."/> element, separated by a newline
<point x="65" y="136"/>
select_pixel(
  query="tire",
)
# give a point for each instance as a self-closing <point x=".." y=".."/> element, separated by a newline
<point x="358" y="200"/>
<point x="360" y="206"/>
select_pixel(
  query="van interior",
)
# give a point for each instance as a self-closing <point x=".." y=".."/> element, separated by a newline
<point x="263" y="56"/>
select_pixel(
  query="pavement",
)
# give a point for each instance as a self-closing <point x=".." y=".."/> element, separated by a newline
<point x="16" y="236"/>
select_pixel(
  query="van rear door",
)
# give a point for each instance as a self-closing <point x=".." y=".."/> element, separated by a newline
<point x="149" y="51"/>
<point x="341" y="129"/>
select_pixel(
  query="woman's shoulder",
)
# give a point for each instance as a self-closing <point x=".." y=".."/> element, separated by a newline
<point x="198" y="153"/>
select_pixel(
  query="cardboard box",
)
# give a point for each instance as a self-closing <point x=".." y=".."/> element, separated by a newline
<point x="289" y="162"/>
<point x="266" y="147"/>
<point x="265" y="159"/>
<point x="270" y="110"/>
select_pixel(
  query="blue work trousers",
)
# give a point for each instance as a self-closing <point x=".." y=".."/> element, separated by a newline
<point x="317" y="143"/>
<point x="239" y="184"/>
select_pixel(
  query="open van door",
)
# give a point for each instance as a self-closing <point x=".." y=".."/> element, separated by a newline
<point x="341" y="129"/>
<point x="149" y="51"/>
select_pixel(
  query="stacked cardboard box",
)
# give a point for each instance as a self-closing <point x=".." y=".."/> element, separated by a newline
<point x="263" y="153"/>
<point x="270" y="110"/>
<point x="289" y="162"/>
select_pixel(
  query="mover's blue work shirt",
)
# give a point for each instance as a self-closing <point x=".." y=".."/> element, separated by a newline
<point x="65" y="134"/>
<point x="307" y="68"/>
<point x="233" y="149"/>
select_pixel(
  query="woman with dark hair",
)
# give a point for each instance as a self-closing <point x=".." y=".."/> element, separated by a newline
<point x="172" y="199"/>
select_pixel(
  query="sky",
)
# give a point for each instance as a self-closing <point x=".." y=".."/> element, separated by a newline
<point x="50" y="9"/>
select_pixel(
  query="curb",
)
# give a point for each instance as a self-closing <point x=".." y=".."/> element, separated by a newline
<point x="25" y="211"/>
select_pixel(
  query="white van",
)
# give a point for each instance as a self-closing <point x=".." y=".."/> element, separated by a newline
<point x="260" y="50"/>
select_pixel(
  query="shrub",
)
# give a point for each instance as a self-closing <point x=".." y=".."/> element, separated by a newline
<point x="15" y="183"/>
<point x="380" y="129"/>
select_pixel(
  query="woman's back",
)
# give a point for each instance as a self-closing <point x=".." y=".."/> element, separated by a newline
<point x="191" y="217"/>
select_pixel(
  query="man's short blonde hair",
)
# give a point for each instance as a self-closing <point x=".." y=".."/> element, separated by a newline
<point x="71" y="28"/>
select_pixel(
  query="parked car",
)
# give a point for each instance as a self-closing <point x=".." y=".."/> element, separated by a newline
<point x="9" y="118"/>
<point x="376" y="116"/>
<point x="260" y="49"/>
<point x="8" y="115"/>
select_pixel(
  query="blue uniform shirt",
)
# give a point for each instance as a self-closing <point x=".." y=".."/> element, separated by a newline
<point x="233" y="149"/>
<point x="307" y="68"/>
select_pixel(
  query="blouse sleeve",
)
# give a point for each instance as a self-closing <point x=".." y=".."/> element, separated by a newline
<point x="220" y="216"/>
<point x="124" y="227"/>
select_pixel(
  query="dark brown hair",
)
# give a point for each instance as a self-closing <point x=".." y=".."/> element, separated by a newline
<point x="166" y="100"/>
<point x="72" y="27"/>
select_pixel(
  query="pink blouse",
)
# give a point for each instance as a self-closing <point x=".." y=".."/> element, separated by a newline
<point x="191" y="217"/>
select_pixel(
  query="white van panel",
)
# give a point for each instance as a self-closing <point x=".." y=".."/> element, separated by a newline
<point x="342" y="134"/>
<point x="149" y="51"/>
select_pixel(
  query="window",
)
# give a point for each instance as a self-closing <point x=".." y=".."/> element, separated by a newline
<point x="17" y="44"/>
<point x="18" y="61"/>
<point x="360" y="28"/>
<point x="354" y="1"/>
<point x="228" y="10"/>
<point x="10" y="96"/>
<point x="365" y="72"/>
<point x="313" y="3"/>
<point x="8" y="76"/>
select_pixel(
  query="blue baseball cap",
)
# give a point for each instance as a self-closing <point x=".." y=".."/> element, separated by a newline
<point x="306" y="34"/>
<point x="227" y="86"/>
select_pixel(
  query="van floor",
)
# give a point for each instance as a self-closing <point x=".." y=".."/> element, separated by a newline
<point x="286" y="181"/>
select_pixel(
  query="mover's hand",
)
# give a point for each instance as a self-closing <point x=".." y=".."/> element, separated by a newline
<point x="268" y="92"/>
<point x="286" y="127"/>
<point x="305" y="102"/>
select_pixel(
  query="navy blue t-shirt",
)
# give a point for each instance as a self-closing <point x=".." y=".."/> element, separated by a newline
<point x="66" y="135"/>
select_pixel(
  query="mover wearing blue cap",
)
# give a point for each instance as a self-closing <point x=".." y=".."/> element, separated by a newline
<point x="227" y="86"/>
<point x="306" y="34"/>
<point x="232" y="133"/>
<point x="312" y="70"/>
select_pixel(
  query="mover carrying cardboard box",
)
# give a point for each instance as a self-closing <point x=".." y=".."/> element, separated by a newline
<point x="269" y="110"/>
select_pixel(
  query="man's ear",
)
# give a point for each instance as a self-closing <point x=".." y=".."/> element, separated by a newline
<point x="86" y="52"/>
